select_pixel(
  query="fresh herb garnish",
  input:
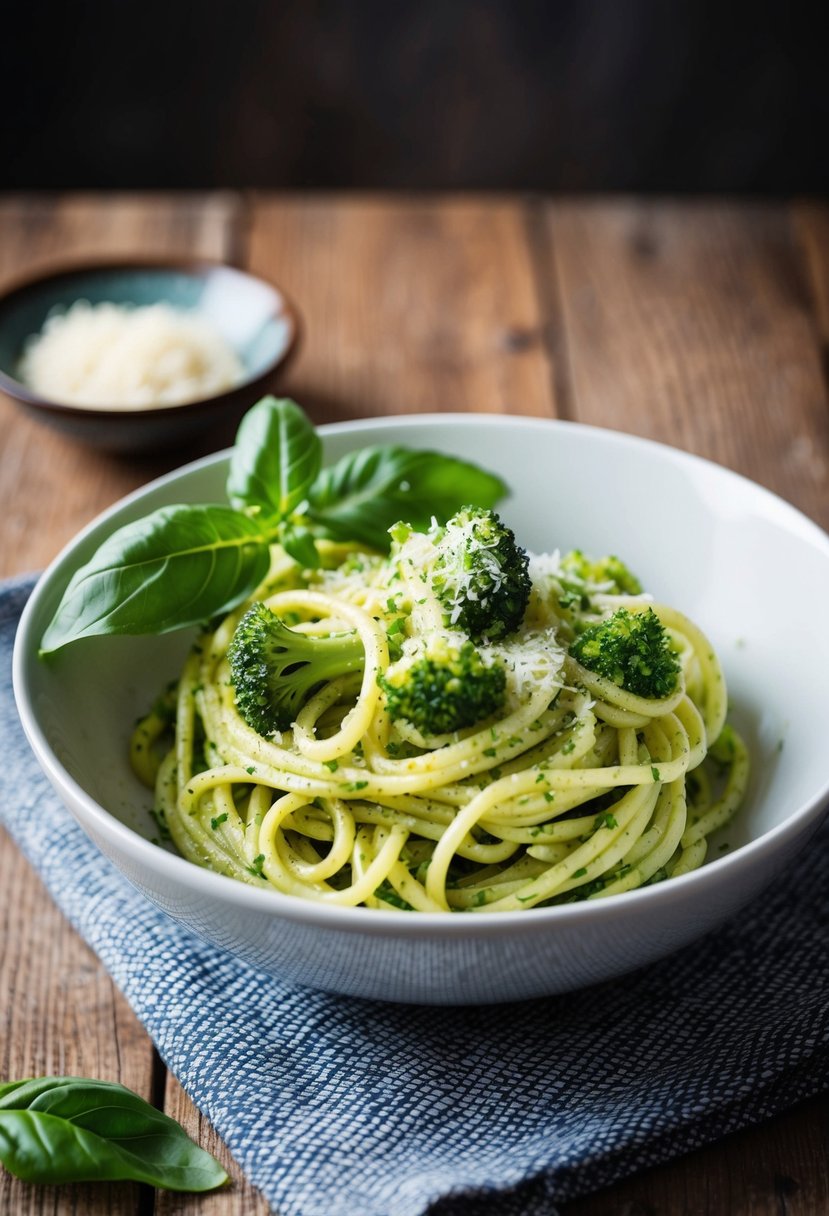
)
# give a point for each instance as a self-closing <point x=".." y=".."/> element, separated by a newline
<point x="182" y="565"/>
<point x="56" y="1130"/>
<point x="605" y="820"/>
<point x="160" y="817"/>
<point x="387" y="893"/>
<point x="256" y="868"/>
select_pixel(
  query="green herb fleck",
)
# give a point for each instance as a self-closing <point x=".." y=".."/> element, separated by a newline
<point x="161" y="821"/>
<point x="606" y="820"/>
<point x="387" y="893"/>
<point x="256" y="868"/>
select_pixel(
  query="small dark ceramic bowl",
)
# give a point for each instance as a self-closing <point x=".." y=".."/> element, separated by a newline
<point x="253" y="316"/>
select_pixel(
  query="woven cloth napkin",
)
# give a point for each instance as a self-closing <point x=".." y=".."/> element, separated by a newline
<point x="333" y="1105"/>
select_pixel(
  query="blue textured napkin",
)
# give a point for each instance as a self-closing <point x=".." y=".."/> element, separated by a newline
<point x="335" y="1105"/>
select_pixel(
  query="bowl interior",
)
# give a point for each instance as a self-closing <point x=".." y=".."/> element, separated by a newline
<point x="250" y="314"/>
<point x="745" y="566"/>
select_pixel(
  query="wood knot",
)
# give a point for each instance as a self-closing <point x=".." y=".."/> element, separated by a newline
<point x="644" y="244"/>
<point x="516" y="339"/>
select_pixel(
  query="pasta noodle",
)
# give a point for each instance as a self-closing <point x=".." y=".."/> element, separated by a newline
<point x="576" y="789"/>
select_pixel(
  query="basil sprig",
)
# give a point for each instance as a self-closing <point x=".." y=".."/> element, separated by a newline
<point x="182" y="565"/>
<point x="55" y="1130"/>
<point x="276" y="458"/>
<point x="368" y="491"/>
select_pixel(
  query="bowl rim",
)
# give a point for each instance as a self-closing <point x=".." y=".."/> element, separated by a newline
<point x="426" y="925"/>
<point x="284" y="306"/>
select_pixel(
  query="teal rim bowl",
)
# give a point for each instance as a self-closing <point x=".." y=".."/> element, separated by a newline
<point x="255" y="318"/>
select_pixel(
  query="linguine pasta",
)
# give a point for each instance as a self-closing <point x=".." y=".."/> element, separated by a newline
<point x="576" y="789"/>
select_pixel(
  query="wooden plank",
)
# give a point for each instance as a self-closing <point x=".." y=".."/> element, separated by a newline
<point x="774" y="1169"/>
<point x="60" y="1015"/>
<point x="409" y="306"/>
<point x="692" y="323"/>
<point x="59" y="1011"/>
<point x="811" y="226"/>
<point x="51" y="486"/>
<point x="240" y="1199"/>
<point x="44" y="231"/>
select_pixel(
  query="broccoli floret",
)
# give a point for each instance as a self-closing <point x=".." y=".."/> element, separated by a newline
<point x="274" y="669"/>
<point x="602" y="572"/>
<point x="632" y="650"/>
<point x="480" y="575"/>
<point x="444" y="688"/>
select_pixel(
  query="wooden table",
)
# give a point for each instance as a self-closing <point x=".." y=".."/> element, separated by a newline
<point x="702" y="324"/>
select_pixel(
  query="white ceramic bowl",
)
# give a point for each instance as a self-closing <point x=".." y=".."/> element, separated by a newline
<point x="746" y="566"/>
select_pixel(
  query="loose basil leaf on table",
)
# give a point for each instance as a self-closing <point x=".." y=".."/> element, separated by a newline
<point x="275" y="459"/>
<point x="178" y="566"/>
<point x="56" y="1130"/>
<point x="365" y="493"/>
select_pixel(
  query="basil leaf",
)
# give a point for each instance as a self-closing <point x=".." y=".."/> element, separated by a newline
<point x="178" y="566"/>
<point x="56" y="1130"/>
<point x="365" y="492"/>
<point x="275" y="459"/>
<point x="298" y="543"/>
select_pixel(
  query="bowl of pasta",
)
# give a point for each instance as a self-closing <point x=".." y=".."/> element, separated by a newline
<point x="449" y="709"/>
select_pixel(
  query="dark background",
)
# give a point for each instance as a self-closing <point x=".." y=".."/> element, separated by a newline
<point x="678" y="95"/>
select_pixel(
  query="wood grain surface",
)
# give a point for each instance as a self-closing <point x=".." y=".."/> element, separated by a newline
<point x="701" y="324"/>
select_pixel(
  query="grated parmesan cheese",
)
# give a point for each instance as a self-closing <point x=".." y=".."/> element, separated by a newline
<point x="532" y="660"/>
<point x="458" y="581"/>
<point x="107" y="356"/>
<point x="544" y="566"/>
